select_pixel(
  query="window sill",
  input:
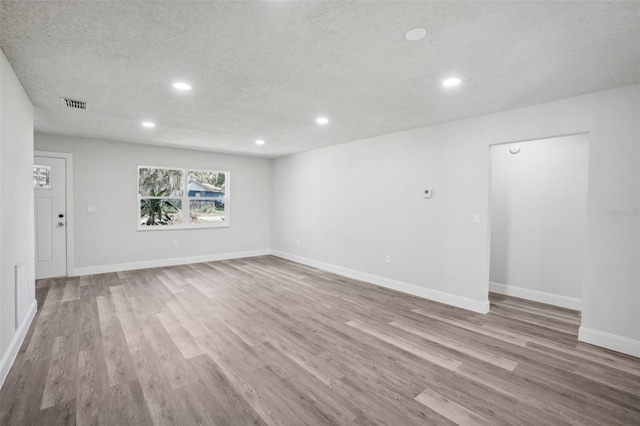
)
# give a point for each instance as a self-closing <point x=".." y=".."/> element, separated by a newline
<point x="181" y="227"/>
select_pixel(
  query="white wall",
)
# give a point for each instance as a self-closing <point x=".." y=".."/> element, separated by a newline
<point x="16" y="210"/>
<point x="105" y="175"/>
<point x="538" y="216"/>
<point x="352" y="204"/>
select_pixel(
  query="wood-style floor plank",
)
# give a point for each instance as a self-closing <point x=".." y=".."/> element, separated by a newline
<point x="424" y="353"/>
<point x="92" y="387"/>
<point x="117" y="355"/>
<point x="265" y="341"/>
<point x="449" y="409"/>
<point x="126" y="405"/>
<point x="218" y="391"/>
<point x="480" y="354"/>
<point x="61" y="378"/>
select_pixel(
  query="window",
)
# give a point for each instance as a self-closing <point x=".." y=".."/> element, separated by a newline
<point x="182" y="198"/>
<point x="41" y="177"/>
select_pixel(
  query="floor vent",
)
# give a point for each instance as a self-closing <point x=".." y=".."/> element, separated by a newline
<point x="22" y="290"/>
<point x="74" y="103"/>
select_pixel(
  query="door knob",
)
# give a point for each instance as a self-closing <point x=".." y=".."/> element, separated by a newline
<point x="60" y="224"/>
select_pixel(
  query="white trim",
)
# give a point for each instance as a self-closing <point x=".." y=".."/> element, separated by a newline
<point x="537" y="296"/>
<point x="16" y="342"/>
<point x="609" y="341"/>
<point x="102" y="269"/>
<point x="69" y="199"/>
<point x="415" y="290"/>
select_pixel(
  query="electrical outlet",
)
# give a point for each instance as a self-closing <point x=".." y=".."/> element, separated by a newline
<point x="175" y="243"/>
<point x="388" y="259"/>
<point x="92" y="209"/>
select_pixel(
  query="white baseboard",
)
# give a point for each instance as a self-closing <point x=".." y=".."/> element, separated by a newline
<point x="10" y="356"/>
<point x="415" y="290"/>
<point x="609" y="341"/>
<point x="102" y="269"/>
<point x="537" y="296"/>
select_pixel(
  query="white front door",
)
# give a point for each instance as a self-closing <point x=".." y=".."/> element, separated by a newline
<point x="49" y="181"/>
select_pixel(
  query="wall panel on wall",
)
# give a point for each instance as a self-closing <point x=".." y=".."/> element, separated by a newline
<point x="16" y="214"/>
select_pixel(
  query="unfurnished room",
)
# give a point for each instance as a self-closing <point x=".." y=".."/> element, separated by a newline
<point x="319" y="213"/>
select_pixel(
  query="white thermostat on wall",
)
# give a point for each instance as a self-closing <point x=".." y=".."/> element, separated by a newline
<point x="427" y="193"/>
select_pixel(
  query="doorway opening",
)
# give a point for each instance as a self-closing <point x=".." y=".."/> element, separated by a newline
<point x="538" y="204"/>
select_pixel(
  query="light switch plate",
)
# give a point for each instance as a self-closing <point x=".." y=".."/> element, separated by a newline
<point x="427" y="193"/>
<point x="476" y="218"/>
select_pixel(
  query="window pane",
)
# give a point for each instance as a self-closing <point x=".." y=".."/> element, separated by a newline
<point x="160" y="211"/>
<point x="160" y="182"/>
<point x="206" y="211"/>
<point x="42" y="177"/>
<point x="207" y="184"/>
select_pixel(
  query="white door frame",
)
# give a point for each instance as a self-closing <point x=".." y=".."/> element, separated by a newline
<point x="68" y="201"/>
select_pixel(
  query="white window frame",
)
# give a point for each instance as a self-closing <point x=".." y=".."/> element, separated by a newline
<point x="185" y="210"/>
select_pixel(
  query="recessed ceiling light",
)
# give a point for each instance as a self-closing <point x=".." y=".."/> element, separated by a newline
<point x="259" y="142"/>
<point x="181" y="86"/>
<point x="148" y="124"/>
<point x="322" y="120"/>
<point x="415" y="34"/>
<point x="450" y="82"/>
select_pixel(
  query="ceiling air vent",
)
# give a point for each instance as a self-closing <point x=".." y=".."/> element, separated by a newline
<point x="73" y="103"/>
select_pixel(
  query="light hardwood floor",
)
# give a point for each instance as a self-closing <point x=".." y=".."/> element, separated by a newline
<point x="267" y="341"/>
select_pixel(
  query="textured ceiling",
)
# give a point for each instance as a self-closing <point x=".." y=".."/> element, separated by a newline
<point x="266" y="70"/>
